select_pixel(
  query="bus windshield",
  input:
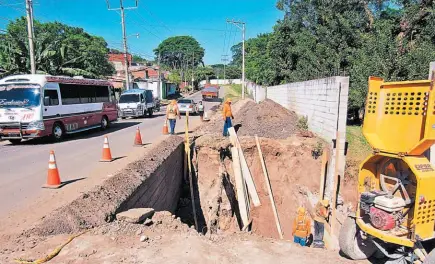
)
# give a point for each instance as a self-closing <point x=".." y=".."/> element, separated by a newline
<point x="129" y="98"/>
<point x="19" y="95"/>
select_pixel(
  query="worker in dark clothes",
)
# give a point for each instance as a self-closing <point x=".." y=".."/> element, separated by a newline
<point x="321" y="217"/>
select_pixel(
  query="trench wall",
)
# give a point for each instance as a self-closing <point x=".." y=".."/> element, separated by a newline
<point x="154" y="181"/>
<point x="324" y="103"/>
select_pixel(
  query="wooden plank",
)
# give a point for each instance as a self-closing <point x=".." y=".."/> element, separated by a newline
<point x="245" y="169"/>
<point x="335" y="186"/>
<point x="269" y="188"/>
<point x="325" y="159"/>
<point x="241" y="189"/>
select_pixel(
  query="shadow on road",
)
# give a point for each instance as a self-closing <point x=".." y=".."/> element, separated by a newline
<point x="82" y="135"/>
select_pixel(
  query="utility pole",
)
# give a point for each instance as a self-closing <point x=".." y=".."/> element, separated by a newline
<point x="159" y="89"/>
<point x="241" y="26"/>
<point x="31" y="35"/>
<point x="124" y="37"/>
<point x="224" y="60"/>
<point x="193" y="68"/>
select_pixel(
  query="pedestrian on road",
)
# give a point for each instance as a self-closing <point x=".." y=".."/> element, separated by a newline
<point x="227" y="115"/>
<point x="171" y="114"/>
<point x="201" y="110"/>
<point x="301" y="227"/>
<point x="321" y="217"/>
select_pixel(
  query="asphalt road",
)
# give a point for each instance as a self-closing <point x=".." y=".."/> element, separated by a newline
<point x="23" y="168"/>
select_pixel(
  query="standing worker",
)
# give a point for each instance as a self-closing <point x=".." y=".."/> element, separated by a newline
<point x="227" y="115"/>
<point x="321" y="217"/>
<point x="171" y="114"/>
<point x="201" y="110"/>
<point x="301" y="227"/>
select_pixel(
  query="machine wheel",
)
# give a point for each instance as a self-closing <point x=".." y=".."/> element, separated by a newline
<point x="15" y="141"/>
<point x="150" y="112"/>
<point x="57" y="132"/>
<point x="430" y="258"/>
<point x="352" y="244"/>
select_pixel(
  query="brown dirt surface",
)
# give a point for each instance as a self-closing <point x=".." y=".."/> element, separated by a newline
<point x="290" y="166"/>
<point x="266" y="119"/>
<point x="177" y="247"/>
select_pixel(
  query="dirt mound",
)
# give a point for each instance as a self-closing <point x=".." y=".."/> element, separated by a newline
<point x="100" y="205"/>
<point x="266" y="119"/>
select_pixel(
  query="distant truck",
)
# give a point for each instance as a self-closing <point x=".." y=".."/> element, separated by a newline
<point x="136" y="103"/>
<point x="210" y="93"/>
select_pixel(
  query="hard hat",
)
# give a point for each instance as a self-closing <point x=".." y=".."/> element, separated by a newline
<point x="325" y="203"/>
<point x="301" y="210"/>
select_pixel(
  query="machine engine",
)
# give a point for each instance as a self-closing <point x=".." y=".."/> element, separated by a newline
<point x="385" y="210"/>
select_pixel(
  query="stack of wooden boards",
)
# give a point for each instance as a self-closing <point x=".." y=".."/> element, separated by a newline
<point x="245" y="185"/>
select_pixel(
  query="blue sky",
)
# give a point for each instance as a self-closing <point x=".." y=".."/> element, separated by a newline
<point x="156" y="20"/>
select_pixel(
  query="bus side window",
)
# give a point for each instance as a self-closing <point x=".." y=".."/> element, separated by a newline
<point x="54" y="97"/>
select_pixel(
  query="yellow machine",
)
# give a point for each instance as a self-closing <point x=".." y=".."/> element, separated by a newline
<point x="396" y="210"/>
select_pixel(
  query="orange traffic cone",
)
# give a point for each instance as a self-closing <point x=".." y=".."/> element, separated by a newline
<point x="165" y="128"/>
<point x="53" y="178"/>
<point x="107" y="155"/>
<point x="138" y="138"/>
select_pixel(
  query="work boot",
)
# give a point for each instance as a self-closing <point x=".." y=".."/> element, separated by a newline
<point x="318" y="244"/>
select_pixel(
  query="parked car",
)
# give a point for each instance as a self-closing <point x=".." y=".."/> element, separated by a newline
<point x="187" y="105"/>
<point x="136" y="103"/>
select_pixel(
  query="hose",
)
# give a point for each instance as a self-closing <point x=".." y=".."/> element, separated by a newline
<point x="52" y="254"/>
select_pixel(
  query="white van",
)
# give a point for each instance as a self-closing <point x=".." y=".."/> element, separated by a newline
<point x="136" y="103"/>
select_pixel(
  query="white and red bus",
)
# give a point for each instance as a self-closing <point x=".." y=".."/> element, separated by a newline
<point x="36" y="105"/>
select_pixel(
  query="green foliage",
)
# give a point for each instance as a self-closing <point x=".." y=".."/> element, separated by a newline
<point x="231" y="72"/>
<point x="139" y="59"/>
<point x="302" y="123"/>
<point x="360" y="38"/>
<point x="175" y="77"/>
<point x="204" y="73"/>
<point x="179" y="51"/>
<point x="59" y="49"/>
<point x="317" y="150"/>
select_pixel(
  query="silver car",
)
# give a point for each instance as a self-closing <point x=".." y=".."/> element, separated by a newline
<point x="187" y="105"/>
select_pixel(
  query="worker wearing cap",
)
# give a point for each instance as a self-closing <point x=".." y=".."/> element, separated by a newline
<point x="227" y="116"/>
<point x="301" y="227"/>
<point x="321" y="217"/>
<point x="171" y="114"/>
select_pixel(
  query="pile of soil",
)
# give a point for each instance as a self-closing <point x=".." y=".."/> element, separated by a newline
<point x="266" y="119"/>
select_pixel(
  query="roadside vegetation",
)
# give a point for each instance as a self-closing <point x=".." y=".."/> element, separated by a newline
<point x="358" y="150"/>
<point x="233" y="91"/>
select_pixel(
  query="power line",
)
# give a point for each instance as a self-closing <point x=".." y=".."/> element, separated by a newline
<point x="161" y="22"/>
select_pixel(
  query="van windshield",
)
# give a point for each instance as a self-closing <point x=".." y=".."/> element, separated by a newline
<point x="19" y="95"/>
<point x="129" y="98"/>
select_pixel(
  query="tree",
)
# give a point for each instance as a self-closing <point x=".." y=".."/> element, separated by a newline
<point x="179" y="51"/>
<point x="59" y="50"/>
<point x="139" y="59"/>
<point x="315" y="39"/>
<point x="204" y="73"/>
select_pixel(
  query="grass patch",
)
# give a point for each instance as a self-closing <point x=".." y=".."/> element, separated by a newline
<point x="233" y="91"/>
<point x="358" y="150"/>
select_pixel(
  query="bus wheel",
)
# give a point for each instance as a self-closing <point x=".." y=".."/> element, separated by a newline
<point x="57" y="132"/>
<point x="15" y="141"/>
<point x="104" y="123"/>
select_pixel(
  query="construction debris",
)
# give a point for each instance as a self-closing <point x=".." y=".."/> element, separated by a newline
<point x="136" y="215"/>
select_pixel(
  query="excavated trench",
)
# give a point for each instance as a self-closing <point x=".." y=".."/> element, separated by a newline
<point x="159" y="180"/>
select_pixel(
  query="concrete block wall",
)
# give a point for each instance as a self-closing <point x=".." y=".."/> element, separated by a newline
<point x="324" y="103"/>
